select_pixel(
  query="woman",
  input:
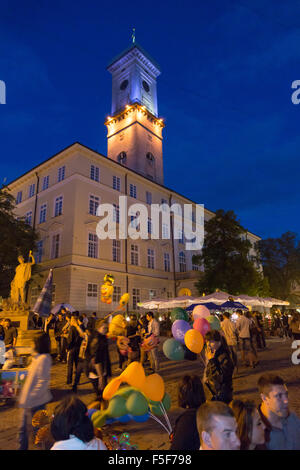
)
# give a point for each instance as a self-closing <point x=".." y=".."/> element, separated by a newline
<point x="71" y="427"/>
<point x="190" y="396"/>
<point x="295" y="325"/>
<point x="35" y="393"/>
<point x="251" y="429"/>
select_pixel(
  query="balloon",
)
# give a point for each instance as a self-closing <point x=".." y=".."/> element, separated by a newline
<point x="107" y="289"/>
<point x="117" y="326"/>
<point x="91" y="411"/>
<point x="202" y="325"/>
<point x="124" y="300"/>
<point x="200" y="311"/>
<point x="117" y="407"/>
<point x="167" y="401"/>
<point x="95" y="405"/>
<point x="173" y="350"/>
<point x="100" y="419"/>
<point x="111" y="388"/>
<point x="214" y="322"/>
<point x="179" y="329"/>
<point x="124" y="419"/>
<point x="142" y="418"/>
<point x="136" y="404"/>
<point x="154" y="387"/>
<point x="194" y="341"/>
<point x="155" y="405"/>
<point x="179" y="314"/>
<point x="125" y="391"/>
<point x="134" y="375"/>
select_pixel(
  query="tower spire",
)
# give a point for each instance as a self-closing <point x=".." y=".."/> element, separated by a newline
<point x="133" y="35"/>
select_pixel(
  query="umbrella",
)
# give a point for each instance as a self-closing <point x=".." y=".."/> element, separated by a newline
<point x="182" y="301"/>
<point x="58" y="307"/>
<point x="252" y="301"/>
<point x="230" y="304"/>
<point x="216" y="297"/>
<point x="43" y="304"/>
<point x="209" y="305"/>
<point x="152" y="304"/>
<point x="276" y="301"/>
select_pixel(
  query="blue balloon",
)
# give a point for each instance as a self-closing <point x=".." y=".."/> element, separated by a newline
<point x="110" y="420"/>
<point x="141" y="419"/>
<point x="91" y="411"/>
<point x="179" y="329"/>
<point x="124" y="419"/>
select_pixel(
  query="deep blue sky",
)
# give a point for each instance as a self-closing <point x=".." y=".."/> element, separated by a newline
<point x="232" y="136"/>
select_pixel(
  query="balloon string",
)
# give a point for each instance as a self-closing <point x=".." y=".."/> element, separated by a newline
<point x="202" y="359"/>
<point x="158" y="421"/>
<point x="165" y="415"/>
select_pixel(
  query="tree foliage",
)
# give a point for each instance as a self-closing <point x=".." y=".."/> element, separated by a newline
<point x="227" y="260"/>
<point x="280" y="259"/>
<point x="16" y="238"/>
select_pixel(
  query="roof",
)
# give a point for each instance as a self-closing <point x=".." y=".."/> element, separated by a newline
<point x="130" y="48"/>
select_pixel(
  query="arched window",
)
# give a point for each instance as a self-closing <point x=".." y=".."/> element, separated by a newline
<point x="150" y="158"/>
<point x="182" y="262"/>
<point x="122" y="157"/>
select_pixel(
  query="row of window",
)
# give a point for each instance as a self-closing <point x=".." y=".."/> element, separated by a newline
<point x="45" y="184"/>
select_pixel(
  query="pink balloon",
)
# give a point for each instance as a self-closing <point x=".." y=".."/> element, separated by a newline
<point x="200" y="311"/>
<point x="201" y="325"/>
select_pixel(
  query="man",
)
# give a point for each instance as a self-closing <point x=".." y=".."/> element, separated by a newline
<point x="282" y="426"/>
<point x="100" y="360"/>
<point x="10" y="340"/>
<point x="73" y="346"/>
<point x="260" y="335"/>
<point x="92" y="321"/>
<point x="153" y="329"/>
<point x="60" y="340"/>
<point x="217" y="427"/>
<point x="230" y="333"/>
<point x="219" y="368"/>
<point x="49" y="322"/>
<point x="134" y="337"/>
<point x="243" y="327"/>
<point x="84" y="358"/>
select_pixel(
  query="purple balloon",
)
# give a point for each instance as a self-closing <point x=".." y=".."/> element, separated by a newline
<point x="179" y="329"/>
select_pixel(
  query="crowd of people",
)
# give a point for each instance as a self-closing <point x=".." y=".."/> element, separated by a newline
<point x="212" y="420"/>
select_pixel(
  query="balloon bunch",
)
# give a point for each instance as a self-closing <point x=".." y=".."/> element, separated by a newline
<point x="144" y="398"/>
<point x="187" y="336"/>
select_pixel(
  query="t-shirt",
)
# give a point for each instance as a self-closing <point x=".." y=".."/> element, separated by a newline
<point x="9" y="335"/>
<point x="287" y="438"/>
<point x="243" y="327"/>
<point x="76" y="444"/>
<point x="229" y="330"/>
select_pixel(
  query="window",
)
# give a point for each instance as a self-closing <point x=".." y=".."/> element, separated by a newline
<point x="19" y="197"/>
<point x="116" y="251"/>
<point x="132" y="191"/>
<point x="136" y="298"/>
<point x="31" y="190"/>
<point x="134" y="221"/>
<point x="39" y="251"/>
<point x="95" y="173"/>
<point x="55" y="246"/>
<point x="116" y="214"/>
<point x="165" y="231"/>
<point x="116" y="183"/>
<point x="150" y="158"/>
<point x="150" y="258"/>
<point x="93" y="246"/>
<point x="149" y="226"/>
<point x="34" y="296"/>
<point x="45" y="182"/>
<point x="92" y="295"/>
<point x="134" y="255"/>
<point x="93" y="204"/>
<point x="43" y="211"/>
<point x="164" y="201"/>
<point x="122" y="157"/>
<point x="180" y="236"/>
<point x="167" y="262"/>
<point x="182" y="262"/>
<point x="117" y="294"/>
<point x="152" y="294"/>
<point x="58" y="206"/>
<point x="195" y="267"/>
<point x="61" y="174"/>
<point x="28" y="218"/>
<point x="148" y="197"/>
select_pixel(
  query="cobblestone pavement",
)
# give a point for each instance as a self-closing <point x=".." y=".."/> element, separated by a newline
<point x="150" y="435"/>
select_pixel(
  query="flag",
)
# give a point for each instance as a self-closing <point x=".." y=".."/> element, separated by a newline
<point x="42" y="306"/>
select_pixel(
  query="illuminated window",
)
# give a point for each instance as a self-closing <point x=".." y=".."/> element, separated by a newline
<point x="136" y="298"/>
<point x="28" y="218"/>
<point x="116" y="251"/>
<point x="167" y="262"/>
<point x="134" y="255"/>
<point x="150" y="258"/>
<point x="116" y="183"/>
<point x="93" y="246"/>
<point x="93" y="204"/>
<point x="132" y="191"/>
<point x="19" y="197"/>
<point x="43" y="211"/>
<point x="61" y="173"/>
<point x="182" y="262"/>
<point x="58" y="206"/>
<point x="31" y="190"/>
<point x="45" y="182"/>
<point x="95" y="173"/>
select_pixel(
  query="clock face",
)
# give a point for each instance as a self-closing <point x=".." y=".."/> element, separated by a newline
<point x="124" y="85"/>
<point x="145" y="86"/>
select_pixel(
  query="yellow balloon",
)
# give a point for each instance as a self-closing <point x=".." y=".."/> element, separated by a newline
<point x="124" y="299"/>
<point x="134" y="375"/>
<point x="111" y="388"/>
<point x="154" y="387"/>
<point x="194" y="341"/>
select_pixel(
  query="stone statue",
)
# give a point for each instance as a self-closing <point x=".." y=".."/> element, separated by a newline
<point x="23" y="274"/>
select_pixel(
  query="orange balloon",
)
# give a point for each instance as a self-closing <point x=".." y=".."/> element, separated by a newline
<point x="111" y="388"/>
<point x="134" y="375"/>
<point x="194" y="341"/>
<point x="154" y="387"/>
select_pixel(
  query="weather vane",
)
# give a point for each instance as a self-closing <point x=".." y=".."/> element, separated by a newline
<point x="133" y="35"/>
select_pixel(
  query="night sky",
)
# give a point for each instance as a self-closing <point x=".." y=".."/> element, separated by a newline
<point x="232" y="136"/>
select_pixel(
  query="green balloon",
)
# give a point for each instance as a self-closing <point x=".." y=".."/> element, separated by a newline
<point x="155" y="405"/>
<point x="100" y="419"/>
<point x="214" y="322"/>
<point x="136" y="404"/>
<point x="117" y="407"/>
<point x="173" y="350"/>
<point x="179" y="314"/>
<point x="125" y="392"/>
<point x="167" y="401"/>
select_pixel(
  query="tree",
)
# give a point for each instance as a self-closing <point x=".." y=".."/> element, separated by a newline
<point x="16" y="238"/>
<point x="226" y="258"/>
<point x="280" y="258"/>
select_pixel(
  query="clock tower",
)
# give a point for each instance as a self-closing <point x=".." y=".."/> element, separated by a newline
<point x="134" y="130"/>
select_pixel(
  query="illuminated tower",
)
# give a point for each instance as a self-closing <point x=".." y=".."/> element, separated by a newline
<point x="134" y="131"/>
